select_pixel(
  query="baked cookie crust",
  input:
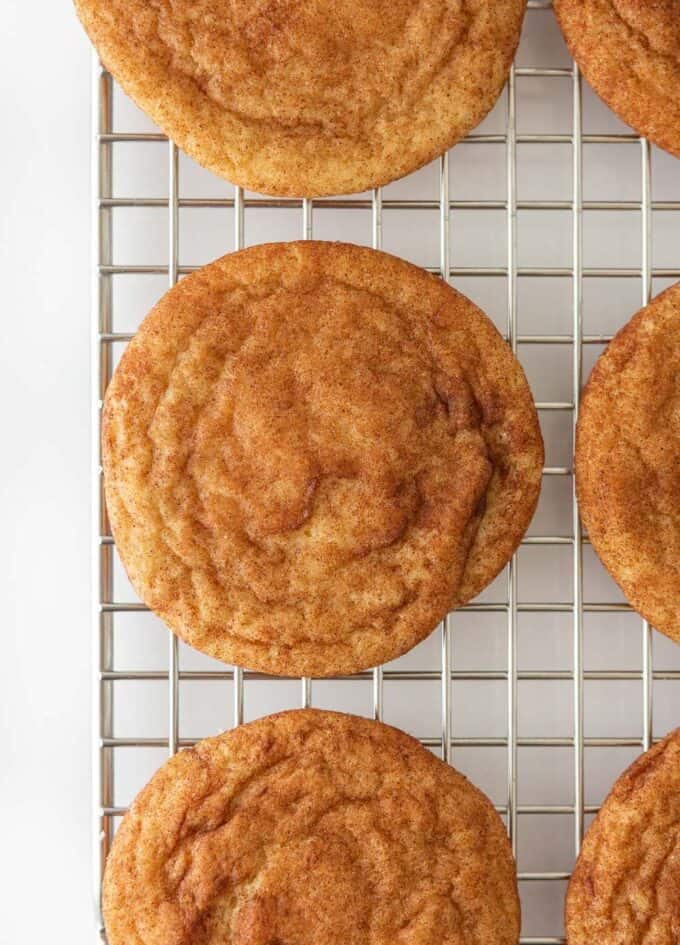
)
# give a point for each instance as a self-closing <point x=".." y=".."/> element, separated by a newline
<point x="625" y="889"/>
<point x="312" y="452"/>
<point x="628" y="461"/>
<point x="629" y="51"/>
<point x="310" y="828"/>
<point x="309" y="97"/>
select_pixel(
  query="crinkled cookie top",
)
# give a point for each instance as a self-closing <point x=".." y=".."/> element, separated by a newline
<point x="313" y="452"/>
<point x="629" y="51"/>
<point x="626" y="886"/>
<point x="308" y="97"/>
<point x="628" y="461"/>
<point x="310" y="828"/>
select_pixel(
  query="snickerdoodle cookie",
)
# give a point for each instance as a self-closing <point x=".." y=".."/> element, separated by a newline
<point x="628" y="461"/>
<point x="309" y="97"/>
<point x="626" y="886"/>
<point x="312" y="452"/>
<point x="310" y="828"/>
<point x="629" y="51"/>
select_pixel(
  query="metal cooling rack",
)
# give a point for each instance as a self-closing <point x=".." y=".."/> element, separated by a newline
<point x="444" y="679"/>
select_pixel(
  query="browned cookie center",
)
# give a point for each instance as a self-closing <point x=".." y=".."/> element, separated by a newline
<point x="331" y="433"/>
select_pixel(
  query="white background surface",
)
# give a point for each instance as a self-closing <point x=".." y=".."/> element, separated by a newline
<point x="44" y="512"/>
<point x="45" y="879"/>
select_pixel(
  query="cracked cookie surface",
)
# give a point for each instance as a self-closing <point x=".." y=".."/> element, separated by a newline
<point x="309" y="97"/>
<point x="310" y="828"/>
<point x="628" y="461"/>
<point x="625" y="889"/>
<point x="629" y="52"/>
<point x="314" y="451"/>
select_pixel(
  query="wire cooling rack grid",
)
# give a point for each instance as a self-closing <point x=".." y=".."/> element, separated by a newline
<point x="544" y="688"/>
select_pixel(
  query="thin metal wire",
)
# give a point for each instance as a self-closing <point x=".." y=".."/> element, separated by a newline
<point x="173" y="264"/>
<point x="529" y="810"/>
<point x="115" y="337"/>
<point x="523" y="607"/>
<point x="376" y="240"/>
<point x="527" y="540"/>
<point x="577" y="370"/>
<point x="307" y="216"/>
<point x="496" y="272"/>
<point x="237" y="677"/>
<point x="474" y="138"/>
<point x="360" y="203"/>
<point x="473" y="742"/>
<point x="445" y="631"/>
<point x="399" y="675"/>
<point x="102" y="574"/>
<point x="239" y="218"/>
<point x="239" y="242"/>
<point x="511" y="171"/>
<point x="377" y="218"/>
<point x="306" y="692"/>
<point x="646" y="220"/>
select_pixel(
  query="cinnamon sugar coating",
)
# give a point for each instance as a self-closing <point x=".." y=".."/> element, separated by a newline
<point x="625" y="889"/>
<point x="628" y="461"/>
<point x="314" y="451"/>
<point x="309" y="97"/>
<point x="310" y="828"/>
<point x="629" y="51"/>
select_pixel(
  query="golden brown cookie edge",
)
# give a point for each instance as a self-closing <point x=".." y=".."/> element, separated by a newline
<point x="118" y="878"/>
<point x="592" y="509"/>
<point x="504" y="523"/>
<point x="615" y="85"/>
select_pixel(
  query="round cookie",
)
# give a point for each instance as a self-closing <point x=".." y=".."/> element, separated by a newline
<point x="310" y="828"/>
<point x="625" y="889"/>
<point x="629" y="51"/>
<point x="628" y="461"/>
<point x="309" y="97"/>
<point x="312" y="452"/>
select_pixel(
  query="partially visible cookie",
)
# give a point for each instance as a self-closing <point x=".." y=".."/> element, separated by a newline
<point x="629" y="51"/>
<point x="310" y="828"/>
<point x="309" y="97"/>
<point x="628" y="461"/>
<point x="312" y="452"/>
<point x="625" y="889"/>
